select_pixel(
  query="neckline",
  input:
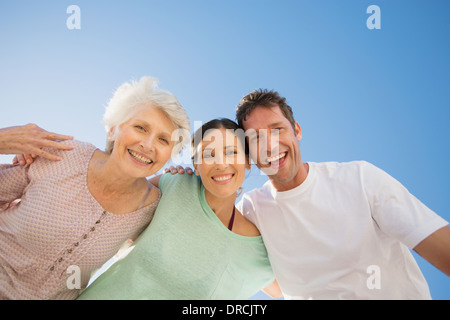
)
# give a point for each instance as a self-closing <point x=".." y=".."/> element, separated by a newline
<point x="298" y="190"/>
<point x="213" y="217"/>
<point x="230" y="224"/>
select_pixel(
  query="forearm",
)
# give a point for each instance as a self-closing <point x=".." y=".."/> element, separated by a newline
<point x="436" y="249"/>
<point x="273" y="290"/>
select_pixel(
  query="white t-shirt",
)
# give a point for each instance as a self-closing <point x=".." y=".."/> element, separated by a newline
<point x="344" y="233"/>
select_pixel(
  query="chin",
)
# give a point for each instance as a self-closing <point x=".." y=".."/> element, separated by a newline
<point x="280" y="177"/>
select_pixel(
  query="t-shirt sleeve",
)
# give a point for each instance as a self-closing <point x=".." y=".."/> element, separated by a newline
<point x="247" y="208"/>
<point x="179" y="184"/>
<point x="163" y="182"/>
<point x="13" y="181"/>
<point x="396" y="211"/>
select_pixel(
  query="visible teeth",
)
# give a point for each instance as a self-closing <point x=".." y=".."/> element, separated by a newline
<point x="275" y="158"/>
<point x="140" y="158"/>
<point x="223" y="178"/>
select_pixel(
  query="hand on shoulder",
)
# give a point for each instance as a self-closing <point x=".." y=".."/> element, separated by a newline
<point x="28" y="142"/>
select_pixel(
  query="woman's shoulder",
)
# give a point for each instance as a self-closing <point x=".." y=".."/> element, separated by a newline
<point x="81" y="150"/>
<point x="245" y="227"/>
<point x="78" y="157"/>
<point x="79" y="146"/>
<point x="181" y="181"/>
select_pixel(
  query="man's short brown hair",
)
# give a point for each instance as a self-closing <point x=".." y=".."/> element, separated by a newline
<point x="266" y="98"/>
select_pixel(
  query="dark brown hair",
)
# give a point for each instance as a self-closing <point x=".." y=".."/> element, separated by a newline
<point x="265" y="98"/>
<point x="221" y="123"/>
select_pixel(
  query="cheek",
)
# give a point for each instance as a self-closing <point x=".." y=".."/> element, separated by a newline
<point x="241" y="178"/>
<point x="164" y="153"/>
<point x="124" y="136"/>
<point x="201" y="168"/>
<point x="253" y="148"/>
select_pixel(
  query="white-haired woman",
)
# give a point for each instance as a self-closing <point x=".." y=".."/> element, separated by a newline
<point x="75" y="213"/>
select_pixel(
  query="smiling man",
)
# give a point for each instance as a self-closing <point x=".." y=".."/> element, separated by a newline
<point x="332" y="229"/>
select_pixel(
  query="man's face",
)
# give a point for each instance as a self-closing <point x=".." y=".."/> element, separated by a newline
<point x="274" y="144"/>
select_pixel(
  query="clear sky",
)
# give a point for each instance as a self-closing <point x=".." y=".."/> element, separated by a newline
<point x="380" y="95"/>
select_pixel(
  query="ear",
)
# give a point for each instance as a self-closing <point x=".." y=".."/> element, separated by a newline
<point x="248" y="165"/>
<point x="298" y="131"/>
<point x="195" y="168"/>
<point x="111" y="134"/>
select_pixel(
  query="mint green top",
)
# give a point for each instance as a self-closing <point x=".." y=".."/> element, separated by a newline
<point x="186" y="253"/>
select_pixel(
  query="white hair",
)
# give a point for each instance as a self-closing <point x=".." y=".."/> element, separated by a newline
<point x="131" y="97"/>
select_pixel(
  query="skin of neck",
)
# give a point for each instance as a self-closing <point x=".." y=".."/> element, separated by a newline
<point x="298" y="179"/>
<point x="113" y="181"/>
<point x="222" y="207"/>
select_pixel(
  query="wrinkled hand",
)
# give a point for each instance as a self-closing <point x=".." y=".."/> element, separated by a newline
<point x="179" y="170"/>
<point x="29" y="140"/>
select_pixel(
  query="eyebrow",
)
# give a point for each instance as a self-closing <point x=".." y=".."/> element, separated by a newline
<point x="276" y="124"/>
<point x="165" y="135"/>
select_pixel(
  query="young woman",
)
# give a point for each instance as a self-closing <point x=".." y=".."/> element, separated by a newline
<point x="75" y="213"/>
<point x="198" y="245"/>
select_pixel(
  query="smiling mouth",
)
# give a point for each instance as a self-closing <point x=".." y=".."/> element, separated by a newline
<point x="140" y="158"/>
<point x="223" y="177"/>
<point x="275" y="158"/>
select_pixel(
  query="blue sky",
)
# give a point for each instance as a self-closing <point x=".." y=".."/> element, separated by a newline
<point x="358" y="94"/>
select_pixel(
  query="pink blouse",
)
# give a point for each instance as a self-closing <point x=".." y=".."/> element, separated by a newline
<point x="58" y="234"/>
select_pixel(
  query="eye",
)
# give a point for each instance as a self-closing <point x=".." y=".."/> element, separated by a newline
<point x="164" y="140"/>
<point x="207" y="153"/>
<point x="140" y="128"/>
<point x="276" y="131"/>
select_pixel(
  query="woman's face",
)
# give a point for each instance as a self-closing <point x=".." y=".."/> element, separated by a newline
<point x="143" y="144"/>
<point x="221" y="162"/>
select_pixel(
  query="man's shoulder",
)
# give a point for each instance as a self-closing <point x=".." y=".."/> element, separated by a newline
<point x="333" y="169"/>
<point x="264" y="191"/>
<point x="340" y="165"/>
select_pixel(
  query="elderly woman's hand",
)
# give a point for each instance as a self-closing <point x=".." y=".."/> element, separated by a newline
<point x="29" y="140"/>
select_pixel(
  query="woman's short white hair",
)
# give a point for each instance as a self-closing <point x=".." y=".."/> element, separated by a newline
<point x="130" y="97"/>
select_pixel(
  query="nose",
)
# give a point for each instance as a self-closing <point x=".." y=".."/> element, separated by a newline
<point x="221" y="163"/>
<point x="273" y="141"/>
<point x="148" y="144"/>
<point x="218" y="160"/>
<point x="268" y="144"/>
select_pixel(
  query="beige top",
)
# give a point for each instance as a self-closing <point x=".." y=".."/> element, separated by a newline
<point x="58" y="234"/>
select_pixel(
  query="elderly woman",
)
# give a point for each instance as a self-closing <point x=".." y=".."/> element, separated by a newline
<point x="75" y="213"/>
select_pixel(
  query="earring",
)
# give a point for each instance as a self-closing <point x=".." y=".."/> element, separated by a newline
<point x="239" y="192"/>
